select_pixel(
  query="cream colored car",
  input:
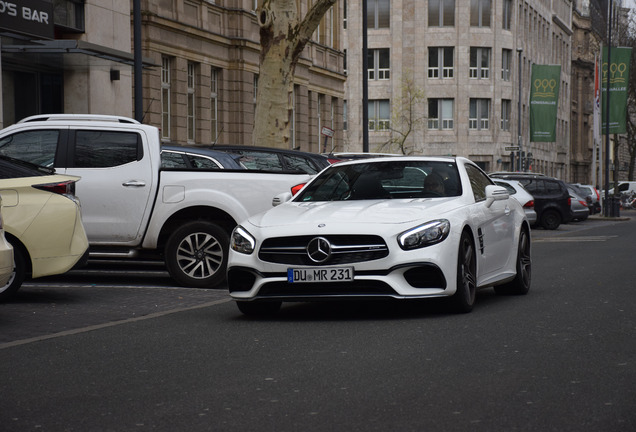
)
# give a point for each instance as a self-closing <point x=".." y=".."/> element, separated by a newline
<point x="42" y="221"/>
<point x="6" y="255"/>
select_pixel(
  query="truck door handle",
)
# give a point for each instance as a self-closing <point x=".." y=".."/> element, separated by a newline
<point x="134" y="183"/>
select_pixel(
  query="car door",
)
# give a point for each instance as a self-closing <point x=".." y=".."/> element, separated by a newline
<point x="116" y="182"/>
<point x="494" y="225"/>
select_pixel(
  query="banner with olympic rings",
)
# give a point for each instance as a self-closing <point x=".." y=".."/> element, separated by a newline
<point x="618" y="72"/>
<point x="544" y="98"/>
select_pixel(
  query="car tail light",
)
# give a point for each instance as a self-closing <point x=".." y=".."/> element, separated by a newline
<point x="333" y="161"/>
<point x="295" y="189"/>
<point x="598" y="195"/>
<point x="569" y="201"/>
<point x="66" y="188"/>
<point x="529" y="204"/>
<point x="583" y="203"/>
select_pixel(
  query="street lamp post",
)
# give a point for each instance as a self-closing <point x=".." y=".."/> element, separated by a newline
<point x="520" y="141"/>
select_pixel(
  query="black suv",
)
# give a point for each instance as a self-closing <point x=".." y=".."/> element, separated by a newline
<point x="551" y="197"/>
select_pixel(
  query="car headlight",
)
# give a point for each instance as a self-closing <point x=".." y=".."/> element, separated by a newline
<point x="428" y="234"/>
<point x="242" y="241"/>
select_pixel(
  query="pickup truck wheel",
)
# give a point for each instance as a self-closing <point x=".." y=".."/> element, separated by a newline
<point x="196" y="255"/>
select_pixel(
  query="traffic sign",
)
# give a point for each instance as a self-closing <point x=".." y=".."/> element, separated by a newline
<point x="511" y="148"/>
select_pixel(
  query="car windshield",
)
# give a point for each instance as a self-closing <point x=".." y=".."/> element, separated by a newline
<point x="384" y="180"/>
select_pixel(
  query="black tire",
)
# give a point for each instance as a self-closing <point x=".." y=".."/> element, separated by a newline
<point x="259" y="307"/>
<point x="196" y="255"/>
<point x="551" y="219"/>
<point x="19" y="273"/>
<point x="464" y="299"/>
<point x="520" y="285"/>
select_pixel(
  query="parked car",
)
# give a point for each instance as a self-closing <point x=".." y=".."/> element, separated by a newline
<point x="578" y="204"/>
<point x="370" y="228"/>
<point x="42" y="221"/>
<point x="275" y="159"/>
<point x="131" y="206"/>
<point x="592" y="197"/>
<point x="524" y="197"/>
<point x="6" y="255"/>
<point x="625" y="187"/>
<point x="197" y="157"/>
<point x="551" y="197"/>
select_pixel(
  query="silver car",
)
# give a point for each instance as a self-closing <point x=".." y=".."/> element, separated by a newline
<point x="520" y="193"/>
<point x="580" y="209"/>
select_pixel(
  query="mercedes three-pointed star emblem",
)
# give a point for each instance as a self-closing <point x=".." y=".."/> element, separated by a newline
<point x="319" y="249"/>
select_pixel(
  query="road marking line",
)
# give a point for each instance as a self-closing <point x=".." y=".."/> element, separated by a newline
<point x="110" y="324"/>
<point x="572" y="239"/>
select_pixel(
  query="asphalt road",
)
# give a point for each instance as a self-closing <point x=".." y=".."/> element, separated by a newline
<point x="98" y="351"/>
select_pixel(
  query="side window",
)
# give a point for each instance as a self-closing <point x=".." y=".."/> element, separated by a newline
<point x="478" y="182"/>
<point x="299" y="163"/>
<point x="260" y="160"/>
<point x="203" y="162"/>
<point x="38" y="146"/>
<point x="102" y="149"/>
<point x="172" y="160"/>
<point x="553" y="187"/>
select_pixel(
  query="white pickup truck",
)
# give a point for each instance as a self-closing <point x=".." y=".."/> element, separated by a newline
<point x="131" y="206"/>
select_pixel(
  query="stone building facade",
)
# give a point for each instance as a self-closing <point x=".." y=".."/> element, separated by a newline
<point x="464" y="56"/>
<point x="205" y="87"/>
<point x="70" y="56"/>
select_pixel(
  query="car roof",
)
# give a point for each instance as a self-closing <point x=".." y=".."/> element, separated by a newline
<point x="228" y="160"/>
<point x="263" y="149"/>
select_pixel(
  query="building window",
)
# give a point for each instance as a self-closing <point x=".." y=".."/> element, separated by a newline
<point x="480" y="63"/>
<point x="214" y="104"/>
<point x="379" y="115"/>
<point x="165" y="97"/>
<point x="378" y="14"/>
<point x="506" y="109"/>
<point x="479" y="115"/>
<point x="69" y="14"/>
<point x="255" y="90"/>
<point x="506" y="63"/>
<point x="480" y="13"/>
<point x="440" y="62"/>
<point x="292" y="119"/>
<point x="344" y="14"/>
<point x="191" y="110"/>
<point x="441" y="13"/>
<point x="379" y="64"/>
<point x="507" y="14"/>
<point x="344" y="115"/>
<point x="440" y="114"/>
<point x="344" y="61"/>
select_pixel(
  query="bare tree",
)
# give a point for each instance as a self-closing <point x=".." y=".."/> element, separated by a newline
<point x="284" y="35"/>
<point x="407" y="116"/>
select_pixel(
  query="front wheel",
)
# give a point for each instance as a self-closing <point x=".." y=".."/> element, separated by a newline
<point x="196" y="254"/>
<point x="18" y="275"/>
<point x="521" y="283"/>
<point x="550" y="220"/>
<point x="464" y="298"/>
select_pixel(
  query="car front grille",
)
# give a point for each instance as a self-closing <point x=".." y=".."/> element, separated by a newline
<point x="345" y="249"/>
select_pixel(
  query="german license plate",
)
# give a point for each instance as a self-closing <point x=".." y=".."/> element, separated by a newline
<point x="320" y="274"/>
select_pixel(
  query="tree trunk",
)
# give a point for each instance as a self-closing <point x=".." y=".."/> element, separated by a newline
<point x="283" y="38"/>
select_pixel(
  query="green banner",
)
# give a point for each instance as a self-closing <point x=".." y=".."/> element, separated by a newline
<point x="618" y="80"/>
<point x="544" y="97"/>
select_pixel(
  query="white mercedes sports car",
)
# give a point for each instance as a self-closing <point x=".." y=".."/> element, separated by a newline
<point x="400" y="227"/>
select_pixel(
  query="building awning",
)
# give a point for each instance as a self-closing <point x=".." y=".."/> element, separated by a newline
<point x="67" y="54"/>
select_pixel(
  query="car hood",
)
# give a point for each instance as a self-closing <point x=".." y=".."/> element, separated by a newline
<point x="355" y="212"/>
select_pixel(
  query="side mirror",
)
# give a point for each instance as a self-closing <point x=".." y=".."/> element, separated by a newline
<point x="281" y="198"/>
<point x="495" y="193"/>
